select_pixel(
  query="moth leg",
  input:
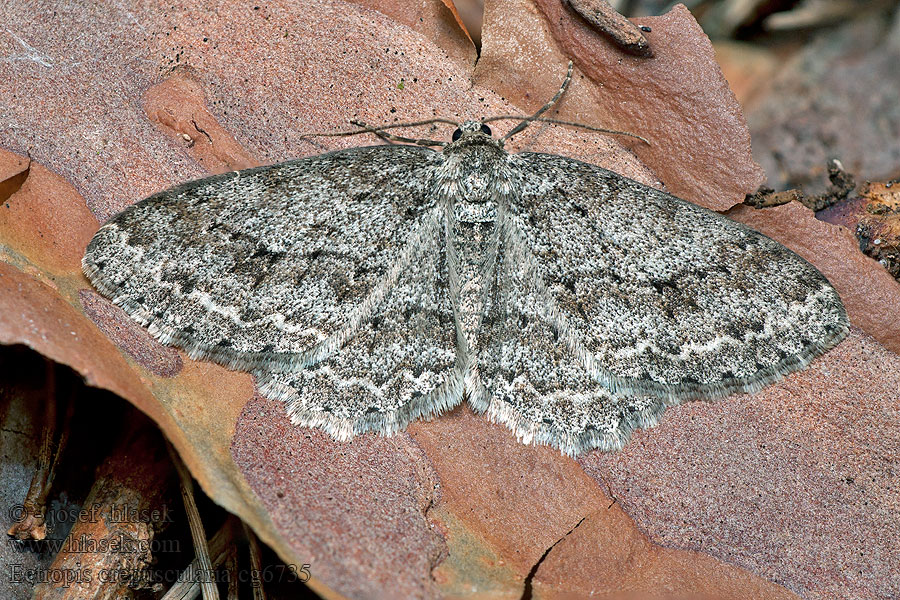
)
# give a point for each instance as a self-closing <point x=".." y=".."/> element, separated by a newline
<point x="398" y="138"/>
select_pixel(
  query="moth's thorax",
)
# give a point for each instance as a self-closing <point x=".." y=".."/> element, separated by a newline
<point x="474" y="167"/>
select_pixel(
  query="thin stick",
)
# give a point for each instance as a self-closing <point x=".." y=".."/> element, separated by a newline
<point x="544" y="108"/>
<point x="255" y="563"/>
<point x="31" y="524"/>
<point x="572" y="124"/>
<point x="607" y="19"/>
<point x="201" y="549"/>
<point x="187" y="587"/>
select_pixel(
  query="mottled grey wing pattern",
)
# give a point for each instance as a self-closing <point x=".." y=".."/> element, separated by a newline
<point x="400" y="365"/>
<point x="656" y="295"/>
<point x="369" y="287"/>
<point x="272" y="267"/>
<point x="534" y="383"/>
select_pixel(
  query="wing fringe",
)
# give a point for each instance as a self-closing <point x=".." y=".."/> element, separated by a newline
<point x="440" y="400"/>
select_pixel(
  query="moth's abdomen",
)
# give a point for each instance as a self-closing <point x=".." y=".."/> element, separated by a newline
<point x="471" y="256"/>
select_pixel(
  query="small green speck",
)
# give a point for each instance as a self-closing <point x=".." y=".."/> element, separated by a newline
<point x="401" y="85"/>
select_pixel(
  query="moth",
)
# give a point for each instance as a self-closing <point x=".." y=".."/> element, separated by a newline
<point x="373" y="286"/>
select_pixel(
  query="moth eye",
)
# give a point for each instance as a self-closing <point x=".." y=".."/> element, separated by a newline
<point x="456" y="134"/>
<point x="485" y="129"/>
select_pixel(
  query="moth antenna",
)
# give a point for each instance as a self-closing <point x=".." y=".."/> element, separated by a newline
<point x="526" y="122"/>
<point x="571" y="124"/>
<point x="379" y="131"/>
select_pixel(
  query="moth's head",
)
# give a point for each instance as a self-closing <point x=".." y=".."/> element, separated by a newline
<point x="473" y="132"/>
